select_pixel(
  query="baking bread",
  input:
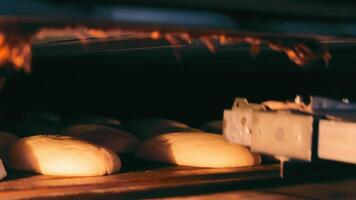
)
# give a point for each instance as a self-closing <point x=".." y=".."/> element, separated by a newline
<point x="5" y="140"/>
<point x="148" y="127"/>
<point x="62" y="156"/>
<point x="92" y="119"/>
<point x="118" y="140"/>
<point x="213" y="127"/>
<point x="196" y="149"/>
<point x="3" y="172"/>
<point x="35" y="122"/>
<point x="29" y="123"/>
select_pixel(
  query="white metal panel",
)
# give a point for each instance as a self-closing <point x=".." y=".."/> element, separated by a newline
<point x="237" y="125"/>
<point x="337" y="141"/>
<point x="282" y="134"/>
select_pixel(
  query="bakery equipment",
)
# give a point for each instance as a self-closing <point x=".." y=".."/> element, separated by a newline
<point x="282" y="134"/>
<point x="238" y="121"/>
<point x="186" y="61"/>
<point x="336" y="141"/>
<point x="323" y="130"/>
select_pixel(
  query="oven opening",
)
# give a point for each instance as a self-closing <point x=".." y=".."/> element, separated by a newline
<point x="125" y="101"/>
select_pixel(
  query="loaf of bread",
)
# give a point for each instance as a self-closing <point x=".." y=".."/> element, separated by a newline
<point x="36" y="122"/>
<point x="91" y="119"/>
<point x="148" y="127"/>
<point x="196" y="149"/>
<point x="3" y="172"/>
<point x="118" y="140"/>
<point x="5" y="140"/>
<point x="62" y="156"/>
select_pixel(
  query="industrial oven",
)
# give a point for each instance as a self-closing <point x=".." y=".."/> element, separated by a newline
<point x="230" y="68"/>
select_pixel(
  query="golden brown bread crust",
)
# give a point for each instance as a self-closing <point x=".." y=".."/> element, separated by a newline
<point x="61" y="155"/>
<point x="3" y="172"/>
<point x="6" y="139"/>
<point x="118" y="140"/>
<point x="196" y="149"/>
<point x="148" y="127"/>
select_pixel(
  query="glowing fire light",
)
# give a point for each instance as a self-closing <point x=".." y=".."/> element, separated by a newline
<point x="300" y="53"/>
<point x="16" y="49"/>
<point x="208" y="43"/>
<point x="16" y="53"/>
<point x="155" y="35"/>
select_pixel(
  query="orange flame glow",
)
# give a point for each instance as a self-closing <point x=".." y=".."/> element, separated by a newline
<point x="155" y="35"/>
<point x="16" y="53"/>
<point x="16" y="50"/>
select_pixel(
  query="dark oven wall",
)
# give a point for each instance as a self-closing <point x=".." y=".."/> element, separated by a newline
<point x="192" y="84"/>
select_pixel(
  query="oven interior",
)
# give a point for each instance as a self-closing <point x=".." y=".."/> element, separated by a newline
<point x="128" y="77"/>
<point x="143" y="78"/>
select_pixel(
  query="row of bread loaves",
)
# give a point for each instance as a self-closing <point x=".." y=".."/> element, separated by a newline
<point x="91" y="149"/>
